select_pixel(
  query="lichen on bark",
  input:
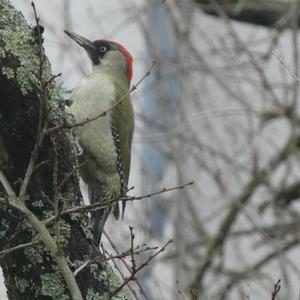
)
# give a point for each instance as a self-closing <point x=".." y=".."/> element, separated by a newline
<point x="31" y="273"/>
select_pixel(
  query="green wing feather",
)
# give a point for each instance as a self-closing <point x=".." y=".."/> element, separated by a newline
<point x="123" y="124"/>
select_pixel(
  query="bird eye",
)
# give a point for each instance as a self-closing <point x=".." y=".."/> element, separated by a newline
<point x="103" y="49"/>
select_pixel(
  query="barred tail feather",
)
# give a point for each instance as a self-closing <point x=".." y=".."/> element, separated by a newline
<point x="116" y="210"/>
<point x="98" y="219"/>
<point x="123" y="208"/>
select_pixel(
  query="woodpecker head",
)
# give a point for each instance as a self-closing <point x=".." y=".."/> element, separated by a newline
<point x="107" y="54"/>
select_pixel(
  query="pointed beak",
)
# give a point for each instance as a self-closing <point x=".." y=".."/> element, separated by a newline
<point x="80" y="40"/>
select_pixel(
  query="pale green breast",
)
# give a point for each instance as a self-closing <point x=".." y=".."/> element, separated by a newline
<point x="108" y="154"/>
<point x="90" y="99"/>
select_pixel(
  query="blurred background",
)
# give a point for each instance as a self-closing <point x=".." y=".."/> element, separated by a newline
<point x="221" y="109"/>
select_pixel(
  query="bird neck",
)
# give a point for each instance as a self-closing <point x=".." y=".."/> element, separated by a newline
<point x="110" y="70"/>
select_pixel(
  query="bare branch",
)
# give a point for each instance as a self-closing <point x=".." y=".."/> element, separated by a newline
<point x="143" y="265"/>
<point x="21" y="246"/>
<point x="6" y="185"/>
<point x="276" y="289"/>
<point x="104" y="113"/>
<point x="105" y="203"/>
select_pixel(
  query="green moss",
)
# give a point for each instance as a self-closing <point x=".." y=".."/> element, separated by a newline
<point x="76" y="263"/>
<point x="8" y="72"/>
<point x="26" y="267"/>
<point x="37" y="203"/>
<point x="2" y="52"/>
<point x="4" y="228"/>
<point x="20" y="43"/>
<point x="56" y="96"/>
<point x="9" y="16"/>
<point x="22" y="284"/>
<point x="34" y="254"/>
<point x="110" y="280"/>
<point x="62" y="233"/>
<point x="52" y="286"/>
<point x="123" y="295"/>
<point x="87" y="229"/>
<point x="114" y="283"/>
<point x="91" y="295"/>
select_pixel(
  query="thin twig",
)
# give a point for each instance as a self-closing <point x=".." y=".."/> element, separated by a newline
<point x="266" y="84"/>
<point x="66" y="178"/>
<point x="55" y="179"/>
<point x="42" y="124"/>
<point x="142" y="266"/>
<point x="102" y="204"/>
<point x="217" y="243"/>
<point x="6" y="185"/>
<point x="135" y="251"/>
<point x="163" y="190"/>
<point x="285" y="64"/>
<point x="46" y="238"/>
<point x="104" y="113"/>
<point x="52" y="78"/>
<point x="83" y="266"/>
<point x="133" y="262"/>
<point x="123" y="276"/>
<point x="37" y="166"/>
<point x="18" y="247"/>
<point x="122" y="255"/>
<point x="277" y="287"/>
<point x="142" y="291"/>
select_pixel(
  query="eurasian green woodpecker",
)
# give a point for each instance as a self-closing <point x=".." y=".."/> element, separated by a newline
<point x="105" y="143"/>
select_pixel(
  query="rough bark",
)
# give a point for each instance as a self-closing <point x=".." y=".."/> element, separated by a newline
<point x="30" y="272"/>
<point x="269" y="13"/>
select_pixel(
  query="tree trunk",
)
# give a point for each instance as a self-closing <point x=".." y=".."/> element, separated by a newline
<point x="29" y="98"/>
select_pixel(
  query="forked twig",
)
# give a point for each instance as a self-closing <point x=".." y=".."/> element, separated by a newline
<point x="143" y="265"/>
<point x="277" y="287"/>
